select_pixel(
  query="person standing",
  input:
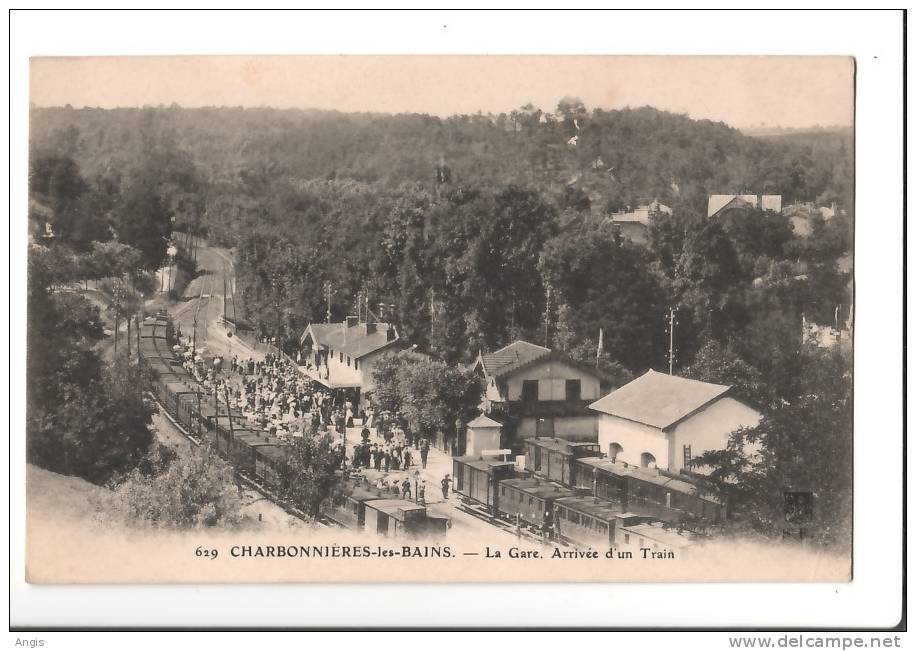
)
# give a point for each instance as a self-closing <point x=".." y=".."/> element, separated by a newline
<point x="405" y="488"/>
<point x="424" y="452"/>
<point x="421" y="493"/>
<point x="446" y="482"/>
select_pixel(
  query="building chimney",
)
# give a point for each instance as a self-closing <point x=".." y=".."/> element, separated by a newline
<point x="370" y="328"/>
<point x="352" y="321"/>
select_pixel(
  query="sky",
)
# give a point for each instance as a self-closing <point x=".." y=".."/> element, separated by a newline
<point x="788" y="92"/>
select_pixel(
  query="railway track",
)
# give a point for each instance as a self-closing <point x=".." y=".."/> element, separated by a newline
<point x="248" y="481"/>
<point x="524" y="533"/>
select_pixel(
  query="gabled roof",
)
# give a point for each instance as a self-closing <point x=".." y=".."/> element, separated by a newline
<point x="484" y="422"/>
<point x="522" y="354"/>
<point x="354" y="340"/>
<point x="717" y="202"/>
<point x="659" y="400"/>
<point x="507" y="359"/>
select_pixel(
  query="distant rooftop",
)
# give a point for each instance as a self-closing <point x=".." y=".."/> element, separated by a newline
<point x="354" y="339"/>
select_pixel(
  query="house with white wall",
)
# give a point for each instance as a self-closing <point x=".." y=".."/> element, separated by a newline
<point x="343" y="355"/>
<point x="547" y="390"/>
<point x="664" y="421"/>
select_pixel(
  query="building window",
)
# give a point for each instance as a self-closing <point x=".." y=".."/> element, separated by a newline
<point x="529" y="390"/>
<point x="356" y="364"/>
<point x="573" y="390"/>
<point x="647" y="460"/>
<point x="348" y="360"/>
<point x="613" y="449"/>
<point x="341" y="358"/>
<point x="626" y="539"/>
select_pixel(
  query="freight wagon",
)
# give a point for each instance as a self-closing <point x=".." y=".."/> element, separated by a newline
<point x="646" y="491"/>
<point x="396" y="518"/>
<point x="530" y="500"/>
<point x="586" y="521"/>
<point x="554" y="458"/>
<point x="477" y="480"/>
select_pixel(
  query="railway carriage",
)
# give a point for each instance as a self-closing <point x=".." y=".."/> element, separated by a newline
<point x="554" y="458"/>
<point x="269" y="461"/>
<point x="669" y="498"/>
<point x="477" y="480"/>
<point x="397" y="518"/>
<point x="243" y="449"/>
<point x="603" y="477"/>
<point x="348" y="508"/>
<point x="531" y="500"/>
<point x="586" y="521"/>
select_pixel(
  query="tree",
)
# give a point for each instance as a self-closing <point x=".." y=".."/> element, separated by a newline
<point x="92" y="429"/>
<point x="195" y="490"/>
<point x="803" y="445"/>
<point x="82" y="418"/>
<point x="428" y="393"/>
<point x="720" y="365"/>
<point x="603" y="283"/>
<point x="143" y="221"/>
<point x="706" y="278"/>
<point x="309" y="477"/>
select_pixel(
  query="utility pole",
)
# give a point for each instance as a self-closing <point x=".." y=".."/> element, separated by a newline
<point x="229" y="413"/>
<point x="547" y="320"/>
<point x="672" y="311"/>
<point x="432" y="316"/>
<point x="327" y="295"/>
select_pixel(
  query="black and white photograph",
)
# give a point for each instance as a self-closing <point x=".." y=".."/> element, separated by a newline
<point x="441" y="318"/>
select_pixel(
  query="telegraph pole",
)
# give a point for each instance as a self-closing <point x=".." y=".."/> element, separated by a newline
<point x="547" y="320"/>
<point x="432" y="316"/>
<point x="229" y="413"/>
<point x="672" y="311"/>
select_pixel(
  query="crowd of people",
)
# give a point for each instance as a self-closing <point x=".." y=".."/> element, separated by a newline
<point x="394" y="453"/>
<point x="273" y="395"/>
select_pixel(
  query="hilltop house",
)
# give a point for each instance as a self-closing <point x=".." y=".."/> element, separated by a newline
<point x="547" y="391"/>
<point x="634" y="224"/>
<point x="719" y="204"/>
<point x="343" y="355"/>
<point x="664" y="421"/>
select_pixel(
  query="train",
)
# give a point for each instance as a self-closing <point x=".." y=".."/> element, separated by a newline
<point x="571" y="491"/>
<point x="254" y="453"/>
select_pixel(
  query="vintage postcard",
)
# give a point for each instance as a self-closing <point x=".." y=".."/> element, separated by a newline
<point x="553" y="318"/>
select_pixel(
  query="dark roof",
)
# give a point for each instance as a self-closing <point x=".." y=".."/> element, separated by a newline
<point x="509" y="358"/>
<point x="539" y="488"/>
<point x="596" y="508"/>
<point x="354" y="341"/>
<point x="559" y="445"/>
<point x="274" y="452"/>
<point x="522" y="354"/>
<point x="393" y="507"/>
<point x="483" y="464"/>
<point x="615" y="468"/>
<point x="659" y="400"/>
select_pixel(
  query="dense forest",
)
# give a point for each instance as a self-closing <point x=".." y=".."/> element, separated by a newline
<point x="474" y="231"/>
<point x="462" y="224"/>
